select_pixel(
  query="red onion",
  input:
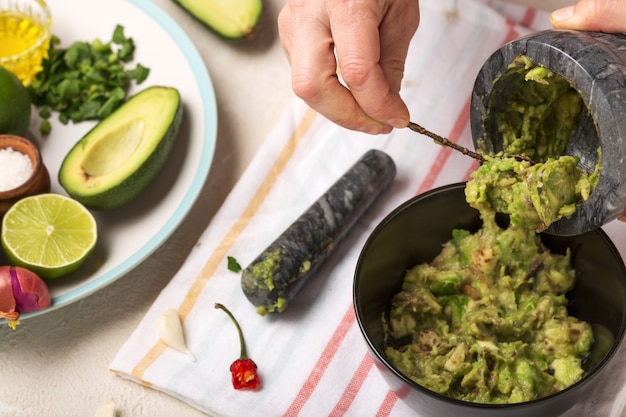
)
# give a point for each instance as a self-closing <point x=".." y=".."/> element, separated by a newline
<point x="21" y="291"/>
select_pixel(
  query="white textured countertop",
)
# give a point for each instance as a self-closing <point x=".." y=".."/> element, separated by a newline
<point x="56" y="364"/>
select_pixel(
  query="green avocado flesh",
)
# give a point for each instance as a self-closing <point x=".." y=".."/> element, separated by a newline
<point x="533" y="195"/>
<point x="486" y="320"/>
<point x="121" y="155"/>
<point x="232" y="19"/>
<point x="535" y="112"/>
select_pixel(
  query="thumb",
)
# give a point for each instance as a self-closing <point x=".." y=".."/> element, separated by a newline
<point x="595" y="15"/>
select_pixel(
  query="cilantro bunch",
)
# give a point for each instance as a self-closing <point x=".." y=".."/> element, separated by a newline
<point x="85" y="81"/>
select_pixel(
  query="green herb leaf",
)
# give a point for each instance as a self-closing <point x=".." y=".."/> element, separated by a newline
<point x="233" y="265"/>
<point x="87" y="80"/>
<point x="45" y="127"/>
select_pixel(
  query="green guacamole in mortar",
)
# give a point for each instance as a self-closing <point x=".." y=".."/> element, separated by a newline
<point x="486" y="321"/>
<point x="536" y="119"/>
<point x="535" y="110"/>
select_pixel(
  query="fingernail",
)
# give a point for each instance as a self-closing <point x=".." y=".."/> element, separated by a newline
<point x="397" y="123"/>
<point x="562" y="14"/>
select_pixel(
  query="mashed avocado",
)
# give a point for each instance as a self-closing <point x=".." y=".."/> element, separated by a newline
<point x="534" y="195"/>
<point x="535" y="112"/>
<point x="486" y="321"/>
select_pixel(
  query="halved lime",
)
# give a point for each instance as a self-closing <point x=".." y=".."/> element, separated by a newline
<point x="50" y="234"/>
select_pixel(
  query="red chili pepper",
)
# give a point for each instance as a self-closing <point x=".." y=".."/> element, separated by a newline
<point x="244" y="374"/>
<point x="243" y="370"/>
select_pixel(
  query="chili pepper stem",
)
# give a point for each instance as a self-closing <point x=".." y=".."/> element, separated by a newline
<point x="243" y="355"/>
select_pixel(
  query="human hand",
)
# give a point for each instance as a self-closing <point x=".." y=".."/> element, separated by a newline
<point x="370" y="38"/>
<point x="595" y="15"/>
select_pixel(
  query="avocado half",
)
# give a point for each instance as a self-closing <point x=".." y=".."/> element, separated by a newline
<point x="121" y="155"/>
<point x="232" y="19"/>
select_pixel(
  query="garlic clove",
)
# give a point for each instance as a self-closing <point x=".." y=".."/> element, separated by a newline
<point x="106" y="410"/>
<point x="170" y="331"/>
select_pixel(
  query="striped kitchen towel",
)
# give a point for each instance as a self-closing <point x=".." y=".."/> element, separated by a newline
<point x="312" y="359"/>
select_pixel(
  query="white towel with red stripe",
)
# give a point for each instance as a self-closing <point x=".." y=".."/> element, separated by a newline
<point x="312" y="359"/>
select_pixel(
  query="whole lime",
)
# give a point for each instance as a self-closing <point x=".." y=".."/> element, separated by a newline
<point x="15" y="104"/>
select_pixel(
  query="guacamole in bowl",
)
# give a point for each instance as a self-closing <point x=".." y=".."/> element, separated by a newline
<point x="486" y="320"/>
<point x="564" y="295"/>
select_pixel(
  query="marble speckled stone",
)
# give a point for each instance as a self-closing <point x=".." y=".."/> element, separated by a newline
<point x="595" y="64"/>
<point x="311" y="238"/>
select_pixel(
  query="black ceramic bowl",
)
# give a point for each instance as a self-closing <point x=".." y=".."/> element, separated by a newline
<point x="414" y="233"/>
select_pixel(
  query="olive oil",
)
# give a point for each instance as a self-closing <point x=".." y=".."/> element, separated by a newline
<point x="18" y="32"/>
<point x="24" y="42"/>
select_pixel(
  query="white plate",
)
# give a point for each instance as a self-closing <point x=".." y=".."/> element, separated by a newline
<point x="131" y="233"/>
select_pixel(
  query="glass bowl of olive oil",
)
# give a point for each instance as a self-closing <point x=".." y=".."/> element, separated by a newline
<point x="25" y="32"/>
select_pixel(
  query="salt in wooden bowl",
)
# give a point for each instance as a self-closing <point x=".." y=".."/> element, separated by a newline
<point x="36" y="183"/>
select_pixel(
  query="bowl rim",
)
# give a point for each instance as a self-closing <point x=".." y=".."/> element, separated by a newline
<point x="379" y="356"/>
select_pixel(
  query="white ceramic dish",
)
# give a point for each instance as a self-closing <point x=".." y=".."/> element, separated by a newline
<point x="131" y="233"/>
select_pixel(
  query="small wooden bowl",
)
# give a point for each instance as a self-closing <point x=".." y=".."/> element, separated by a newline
<point x="39" y="181"/>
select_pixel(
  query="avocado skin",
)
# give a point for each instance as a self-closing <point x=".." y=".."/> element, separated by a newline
<point x="129" y="188"/>
<point x="236" y="25"/>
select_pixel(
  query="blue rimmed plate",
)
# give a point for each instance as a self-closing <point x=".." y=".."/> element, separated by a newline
<point x="128" y="235"/>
